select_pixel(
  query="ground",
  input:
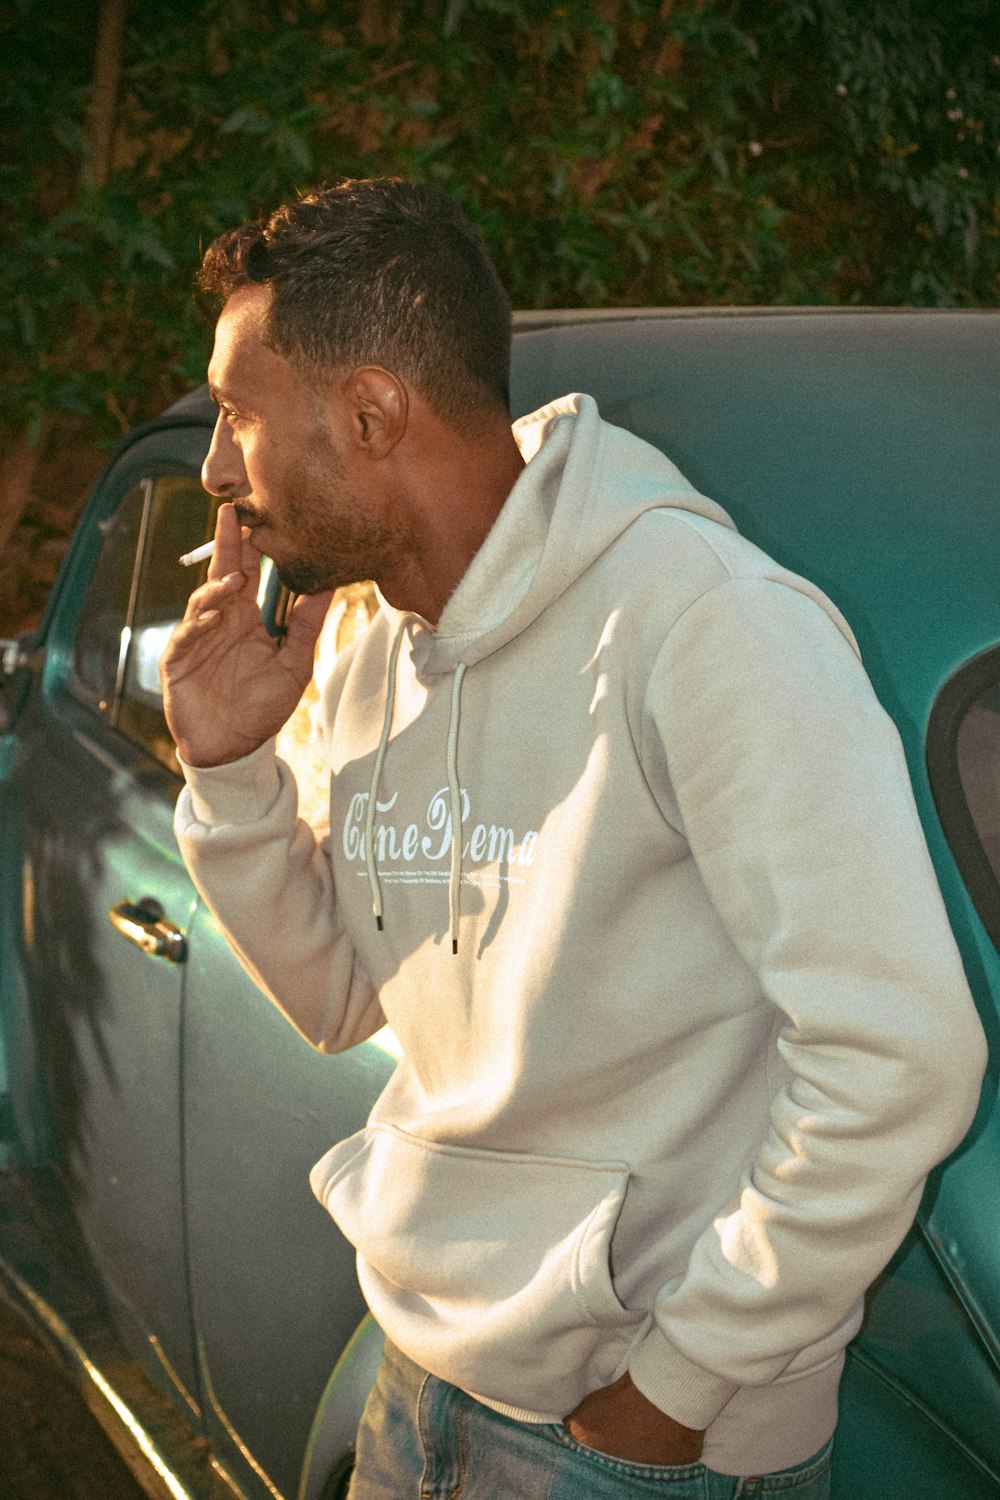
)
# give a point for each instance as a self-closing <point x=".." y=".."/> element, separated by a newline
<point x="51" y="1447"/>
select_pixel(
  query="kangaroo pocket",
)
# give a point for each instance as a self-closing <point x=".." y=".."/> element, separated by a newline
<point x="490" y="1269"/>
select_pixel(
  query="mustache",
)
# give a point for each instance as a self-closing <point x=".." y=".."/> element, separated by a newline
<point x="249" y="515"/>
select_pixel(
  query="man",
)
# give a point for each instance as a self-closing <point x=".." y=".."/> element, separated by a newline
<point x="623" y="848"/>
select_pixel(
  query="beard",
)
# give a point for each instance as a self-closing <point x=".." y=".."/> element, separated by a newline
<point x="337" y="555"/>
<point x="301" y="575"/>
<point x="316" y="571"/>
<point x="337" y="536"/>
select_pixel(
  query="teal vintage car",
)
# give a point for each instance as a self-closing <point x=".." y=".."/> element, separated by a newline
<point x="159" y="1119"/>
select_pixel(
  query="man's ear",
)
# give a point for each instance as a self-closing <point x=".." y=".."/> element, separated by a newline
<point x="380" y="409"/>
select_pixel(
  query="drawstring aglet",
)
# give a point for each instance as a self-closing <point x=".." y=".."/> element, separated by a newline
<point x="378" y="923"/>
<point x="455" y="789"/>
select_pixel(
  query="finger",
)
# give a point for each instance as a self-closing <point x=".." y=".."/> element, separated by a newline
<point x="308" y="614"/>
<point x="303" y="626"/>
<point x="188" y="629"/>
<point x="250" y="558"/>
<point x="176" y="658"/>
<point x="214" y="594"/>
<point x="228" y="555"/>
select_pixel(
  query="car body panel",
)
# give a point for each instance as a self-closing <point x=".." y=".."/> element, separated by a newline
<point x="98" y="831"/>
<point x="889" y="1446"/>
<point x="274" y="1310"/>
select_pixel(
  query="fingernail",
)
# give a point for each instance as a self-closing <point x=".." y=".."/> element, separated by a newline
<point x="232" y="577"/>
<point x="208" y="616"/>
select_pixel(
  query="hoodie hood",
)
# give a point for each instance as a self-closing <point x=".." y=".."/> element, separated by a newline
<point x="584" y="482"/>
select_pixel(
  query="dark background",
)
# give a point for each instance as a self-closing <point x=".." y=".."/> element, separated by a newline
<point x="613" y="152"/>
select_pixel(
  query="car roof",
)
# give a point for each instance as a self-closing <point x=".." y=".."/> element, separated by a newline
<point x="860" y="449"/>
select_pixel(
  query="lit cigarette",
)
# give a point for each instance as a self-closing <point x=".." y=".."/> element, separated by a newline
<point x="198" y="555"/>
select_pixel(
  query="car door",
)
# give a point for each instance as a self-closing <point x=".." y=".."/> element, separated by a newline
<point x="273" y="1280"/>
<point x="106" y="900"/>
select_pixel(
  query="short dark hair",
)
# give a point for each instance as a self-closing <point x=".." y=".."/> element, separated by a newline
<point x="378" y="270"/>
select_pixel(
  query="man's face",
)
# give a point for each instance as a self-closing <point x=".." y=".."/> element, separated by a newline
<point x="280" y="452"/>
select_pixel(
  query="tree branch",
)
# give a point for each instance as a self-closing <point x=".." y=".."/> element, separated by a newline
<point x="104" y="98"/>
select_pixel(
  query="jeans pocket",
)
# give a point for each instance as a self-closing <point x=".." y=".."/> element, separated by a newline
<point x="685" y="1481"/>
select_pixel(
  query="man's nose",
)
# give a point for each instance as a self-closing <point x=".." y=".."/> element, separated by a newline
<point x="223" y="472"/>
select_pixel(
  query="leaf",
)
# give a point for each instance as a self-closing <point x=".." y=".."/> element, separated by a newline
<point x="294" y="143"/>
<point x="70" y="134"/>
<point x="246" y="121"/>
<point x="29" y="324"/>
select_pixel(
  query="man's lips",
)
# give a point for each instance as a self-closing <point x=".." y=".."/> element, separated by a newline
<point x="251" y="518"/>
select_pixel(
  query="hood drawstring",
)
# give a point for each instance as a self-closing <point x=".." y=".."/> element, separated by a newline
<point x="455" y="879"/>
<point x="454" y="789"/>
<point x="390" y="703"/>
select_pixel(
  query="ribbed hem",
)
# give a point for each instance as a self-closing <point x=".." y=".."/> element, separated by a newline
<point x="516" y="1413"/>
<point x="244" y="791"/>
<point x="687" y="1392"/>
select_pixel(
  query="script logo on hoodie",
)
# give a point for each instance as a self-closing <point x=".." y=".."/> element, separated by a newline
<point x="404" y="845"/>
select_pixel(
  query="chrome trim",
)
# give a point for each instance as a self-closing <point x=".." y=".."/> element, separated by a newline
<point x="175" y="1379"/>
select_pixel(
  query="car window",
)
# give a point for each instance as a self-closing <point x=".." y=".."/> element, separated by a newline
<point x="99" y="655"/>
<point x="978" y="749"/>
<point x="179" y="517"/>
<point x="137" y="593"/>
<point x="963" y="762"/>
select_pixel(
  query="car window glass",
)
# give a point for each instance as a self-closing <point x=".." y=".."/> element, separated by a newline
<point x="963" y="763"/>
<point x="180" y="517"/>
<point x="978" y="749"/>
<point x="98" y="658"/>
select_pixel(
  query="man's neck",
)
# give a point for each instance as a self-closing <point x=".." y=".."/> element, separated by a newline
<point x="454" y="500"/>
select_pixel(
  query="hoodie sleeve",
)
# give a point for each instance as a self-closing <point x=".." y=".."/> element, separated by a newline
<point x="790" y="784"/>
<point x="268" y="880"/>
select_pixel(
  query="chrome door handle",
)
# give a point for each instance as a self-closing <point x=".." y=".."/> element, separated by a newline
<point x="144" y="924"/>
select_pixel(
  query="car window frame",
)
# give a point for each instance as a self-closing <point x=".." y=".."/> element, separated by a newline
<point x="109" y="707"/>
<point x="165" y="450"/>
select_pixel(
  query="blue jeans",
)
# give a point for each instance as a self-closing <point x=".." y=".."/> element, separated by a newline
<point x="422" y="1439"/>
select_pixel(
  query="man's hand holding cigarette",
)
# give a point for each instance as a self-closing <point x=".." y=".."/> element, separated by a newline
<point x="226" y="686"/>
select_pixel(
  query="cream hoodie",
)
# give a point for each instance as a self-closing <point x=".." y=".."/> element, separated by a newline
<point x="670" y="1105"/>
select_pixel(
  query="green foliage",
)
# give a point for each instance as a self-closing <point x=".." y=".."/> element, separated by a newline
<point x="624" y="151"/>
<point x="883" y="137"/>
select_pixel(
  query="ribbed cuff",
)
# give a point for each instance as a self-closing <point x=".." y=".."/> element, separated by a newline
<point x="687" y="1392"/>
<point x="244" y="791"/>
